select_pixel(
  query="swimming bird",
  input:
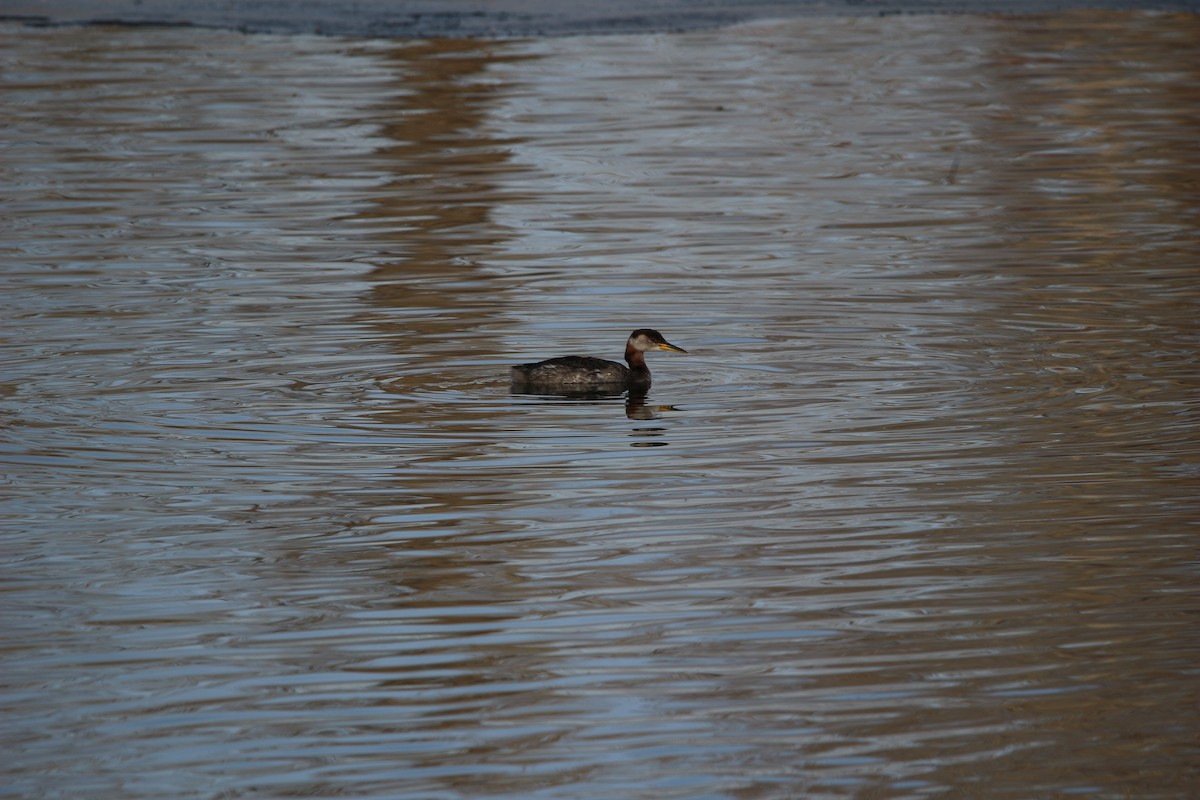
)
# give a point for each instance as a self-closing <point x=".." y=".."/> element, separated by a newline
<point x="584" y="374"/>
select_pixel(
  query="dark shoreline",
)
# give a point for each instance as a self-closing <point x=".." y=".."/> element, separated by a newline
<point x="508" y="18"/>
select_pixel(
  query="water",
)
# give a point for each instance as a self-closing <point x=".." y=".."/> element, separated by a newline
<point x="916" y="516"/>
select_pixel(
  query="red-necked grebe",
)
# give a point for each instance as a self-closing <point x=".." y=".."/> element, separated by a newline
<point x="581" y="374"/>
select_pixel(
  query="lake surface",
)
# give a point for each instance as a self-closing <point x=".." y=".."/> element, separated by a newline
<point x="917" y="516"/>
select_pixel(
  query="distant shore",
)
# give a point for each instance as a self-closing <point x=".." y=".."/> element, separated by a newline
<point x="507" y="18"/>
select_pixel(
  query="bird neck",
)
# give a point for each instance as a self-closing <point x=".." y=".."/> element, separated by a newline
<point x="635" y="360"/>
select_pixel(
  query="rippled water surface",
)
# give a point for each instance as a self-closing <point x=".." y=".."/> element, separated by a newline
<point x="915" y="517"/>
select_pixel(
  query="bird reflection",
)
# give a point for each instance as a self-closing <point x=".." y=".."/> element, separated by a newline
<point x="636" y="406"/>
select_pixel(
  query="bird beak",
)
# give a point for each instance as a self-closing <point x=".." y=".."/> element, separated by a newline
<point x="669" y="346"/>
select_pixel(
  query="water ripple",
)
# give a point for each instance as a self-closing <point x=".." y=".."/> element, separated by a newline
<point x="914" y="513"/>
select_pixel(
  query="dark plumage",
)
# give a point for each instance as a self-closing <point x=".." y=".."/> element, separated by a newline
<point x="582" y="374"/>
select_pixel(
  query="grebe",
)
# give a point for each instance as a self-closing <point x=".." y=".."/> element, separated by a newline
<point x="582" y="374"/>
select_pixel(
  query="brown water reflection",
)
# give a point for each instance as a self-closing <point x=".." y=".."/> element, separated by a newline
<point x="915" y="516"/>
